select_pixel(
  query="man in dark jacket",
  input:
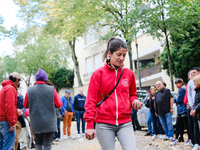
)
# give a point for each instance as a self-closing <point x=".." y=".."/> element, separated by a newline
<point x="41" y="99"/>
<point x="8" y="111"/>
<point x="79" y="104"/>
<point x="164" y="109"/>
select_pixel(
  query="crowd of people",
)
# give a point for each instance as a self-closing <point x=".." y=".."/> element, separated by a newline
<point x="109" y="111"/>
<point x="34" y="122"/>
<point x="160" y="103"/>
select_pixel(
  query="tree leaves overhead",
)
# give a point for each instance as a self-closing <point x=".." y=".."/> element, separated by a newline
<point x="36" y="50"/>
<point x="62" y="78"/>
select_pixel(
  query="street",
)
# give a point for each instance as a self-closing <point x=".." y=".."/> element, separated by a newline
<point x="142" y="143"/>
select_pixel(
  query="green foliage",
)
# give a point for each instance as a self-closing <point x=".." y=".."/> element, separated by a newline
<point x="62" y="78"/>
<point x="185" y="50"/>
<point x="3" y="31"/>
<point x="8" y="64"/>
<point x="35" y="49"/>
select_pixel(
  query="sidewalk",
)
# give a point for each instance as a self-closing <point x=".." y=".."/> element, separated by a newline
<point x="142" y="143"/>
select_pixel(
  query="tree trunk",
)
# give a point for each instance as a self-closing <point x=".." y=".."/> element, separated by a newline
<point x="169" y="60"/>
<point x="76" y="64"/>
<point x="130" y="54"/>
<point x="29" y="80"/>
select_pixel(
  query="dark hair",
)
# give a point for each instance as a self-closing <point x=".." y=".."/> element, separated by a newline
<point x="164" y="84"/>
<point x="49" y="83"/>
<point x="13" y="79"/>
<point x="196" y="68"/>
<point x="113" y="45"/>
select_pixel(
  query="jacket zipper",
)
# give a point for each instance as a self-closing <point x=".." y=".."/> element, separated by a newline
<point x="116" y="101"/>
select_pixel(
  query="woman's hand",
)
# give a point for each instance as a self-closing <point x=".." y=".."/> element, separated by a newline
<point x="19" y="112"/>
<point x="90" y="134"/>
<point x="148" y="98"/>
<point x="192" y="112"/>
<point x="137" y="104"/>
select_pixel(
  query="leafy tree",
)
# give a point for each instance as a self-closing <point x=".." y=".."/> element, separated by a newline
<point x="185" y="50"/>
<point x="60" y="18"/>
<point x="8" y="64"/>
<point x="121" y="17"/>
<point x="3" y="31"/>
<point x="155" y="20"/>
<point x="35" y="51"/>
<point x="62" y="78"/>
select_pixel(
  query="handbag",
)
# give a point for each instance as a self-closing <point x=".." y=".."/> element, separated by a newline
<point x="98" y="104"/>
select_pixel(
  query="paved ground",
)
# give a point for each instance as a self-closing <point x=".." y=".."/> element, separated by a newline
<point x="142" y="143"/>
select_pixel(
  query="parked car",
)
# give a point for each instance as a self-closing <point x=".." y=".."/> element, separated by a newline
<point x="143" y="112"/>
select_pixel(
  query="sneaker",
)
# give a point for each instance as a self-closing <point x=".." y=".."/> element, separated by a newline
<point x="174" y="142"/>
<point x="57" y="139"/>
<point x="148" y="134"/>
<point x="78" y="135"/>
<point x="54" y="143"/>
<point x="71" y="137"/>
<point x="196" y="146"/>
<point x="65" y="137"/>
<point x="161" y="136"/>
<point x="165" y="138"/>
<point x="154" y="137"/>
<point x="188" y="142"/>
<point x="83" y="134"/>
<point x="171" y="138"/>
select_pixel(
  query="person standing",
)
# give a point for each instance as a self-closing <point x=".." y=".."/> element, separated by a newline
<point x="181" y="120"/>
<point x="164" y="109"/>
<point x="8" y="111"/>
<point x="67" y="112"/>
<point x="135" y="123"/>
<point x="41" y="99"/>
<point x="150" y="103"/>
<point x="191" y="101"/>
<point x="79" y="104"/>
<point x="113" y="114"/>
<point x="59" y="117"/>
<point x="20" y="122"/>
<point x="190" y="120"/>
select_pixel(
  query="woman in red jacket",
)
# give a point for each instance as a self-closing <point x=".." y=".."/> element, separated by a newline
<point x="112" y="117"/>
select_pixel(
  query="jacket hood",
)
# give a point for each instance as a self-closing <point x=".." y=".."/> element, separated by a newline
<point x="7" y="82"/>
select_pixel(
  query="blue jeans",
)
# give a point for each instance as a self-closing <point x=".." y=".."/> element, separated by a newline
<point x="7" y="138"/>
<point x="79" y="115"/>
<point x="166" y="122"/>
<point x="157" y="127"/>
<point x="57" y="134"/>
<point x="149" y="121"/>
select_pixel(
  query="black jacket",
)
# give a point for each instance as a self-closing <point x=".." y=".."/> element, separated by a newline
<point x="150" y="104"/>
<point x="197" y="102"/>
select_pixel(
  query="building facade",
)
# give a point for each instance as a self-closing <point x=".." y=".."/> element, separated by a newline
<point x="90" y="51"/>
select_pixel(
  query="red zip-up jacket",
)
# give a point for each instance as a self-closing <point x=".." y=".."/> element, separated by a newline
<point x="8" y="103"/>
<point x="117" y="108"/>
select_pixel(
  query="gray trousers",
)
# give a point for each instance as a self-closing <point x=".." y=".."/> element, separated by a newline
<point x="124" y="132"/>
<point x="43" y="141"/>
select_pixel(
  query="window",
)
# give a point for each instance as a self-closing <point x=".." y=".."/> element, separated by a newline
<point x="97" y="61"/>
<point x="89" y="65"/>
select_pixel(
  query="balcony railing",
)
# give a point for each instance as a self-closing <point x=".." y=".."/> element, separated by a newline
<point x="148" y="71"/>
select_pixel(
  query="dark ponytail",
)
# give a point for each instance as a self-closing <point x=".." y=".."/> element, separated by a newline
<point x="113" y="45"/>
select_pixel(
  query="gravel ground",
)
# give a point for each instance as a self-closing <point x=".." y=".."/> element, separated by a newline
<point x="142" y="143"/>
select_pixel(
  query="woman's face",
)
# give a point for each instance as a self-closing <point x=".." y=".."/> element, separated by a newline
<point x="117" y="58"/>
<point x="153" y="91"/>
<point x="195" y="83"/>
